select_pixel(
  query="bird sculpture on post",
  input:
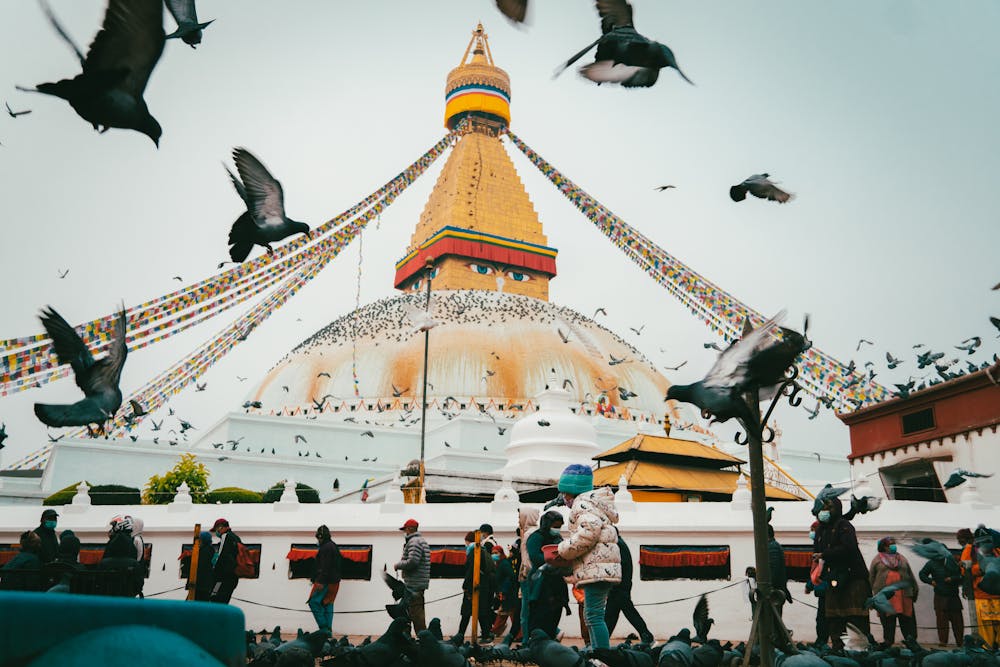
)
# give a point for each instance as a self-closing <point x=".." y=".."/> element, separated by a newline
<point x="98" y="379"/>
<point x="264" y="222"/>
<point x="623" y="55"/>
<point x="109" y="91"/>
<point x="756" y="361"/>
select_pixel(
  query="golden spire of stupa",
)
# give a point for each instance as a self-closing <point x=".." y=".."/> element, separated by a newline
<point x="479" y="224"/>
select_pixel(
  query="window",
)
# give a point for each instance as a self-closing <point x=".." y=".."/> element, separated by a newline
<point x="448" y="561"/>
<point x="915" y="480"/>
<point x="660" y="562"/>
<point x="356" y="561"/>
<point x="185" y="559"/>
<point x="798" y="561"/>
<point x="921" y="420"/>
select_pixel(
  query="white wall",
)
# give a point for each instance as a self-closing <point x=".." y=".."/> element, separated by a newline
<point x="275" y="527"/>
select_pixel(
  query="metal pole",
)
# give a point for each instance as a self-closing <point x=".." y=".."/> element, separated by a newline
<point x="758" y="501"/>
<point x="429" y="265"/>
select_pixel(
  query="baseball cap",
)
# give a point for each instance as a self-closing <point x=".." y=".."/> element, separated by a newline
<point x="48" y="514"/>
<point x="220" y="522"/>
<point x="410" y="523"/>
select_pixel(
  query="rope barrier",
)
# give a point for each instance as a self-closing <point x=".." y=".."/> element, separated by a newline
<point x="876" y="622"/>
<point x="353" y="611"/>
<point x="692" y="597"/>
<point x="153" y="595"/>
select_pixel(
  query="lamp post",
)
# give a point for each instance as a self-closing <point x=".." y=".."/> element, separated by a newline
<point x="429" y="267"/>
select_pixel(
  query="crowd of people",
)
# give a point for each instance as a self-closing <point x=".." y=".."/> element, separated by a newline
<point x="574" y="548"/>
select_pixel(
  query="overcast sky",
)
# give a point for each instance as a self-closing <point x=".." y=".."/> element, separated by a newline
<point x="880" y="117"/>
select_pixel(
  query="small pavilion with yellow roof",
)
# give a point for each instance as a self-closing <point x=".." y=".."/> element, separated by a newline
<point x="659" y="468"/>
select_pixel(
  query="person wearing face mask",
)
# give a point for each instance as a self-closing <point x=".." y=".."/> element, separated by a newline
<point x="592" y="546"/>
<point x="545" y="590"/>
<point x="526" y="518"/>
<point x="889" y="567"/>
<point x="843" y="570"/>
<point x="506" y="591"/>
<point x="46" y="532"/>
<point x="224" y="568"/>
<point x="486" y="570"/>
<point x="326" y="582"/>
<point x="974" y="558"/>
<point x="944" y="574"/>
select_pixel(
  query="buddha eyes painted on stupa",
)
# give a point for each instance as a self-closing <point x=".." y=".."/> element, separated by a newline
<point x="481" y="269"/>
<point x="517" y="276"/>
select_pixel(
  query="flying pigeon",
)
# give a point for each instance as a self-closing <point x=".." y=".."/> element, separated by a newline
<point x="863" y="341"/>
<point x="188" y="28"/>
<point x="760" y="186"/>
<point x="108" y="93"/>
<point x="515" y="10"/>
<point x="892" y="361"/>
<point x="264" y="222"/>
<point x="661" y="188"/>
<point x="638" y="332"/>
<point x="63" y="274"/>
<point x="865" y="504"/>
<point x="756" y="360"/>
<point x="702" y="623"/>
<point x="828" y="492"/>
<point x="812" y="413"/>
<point x="564" y="337"/>
<point x="200" y="387"/>
<point x="614" y="361"/>
<point x="931" y="549"/>
<point x="98" y="379"/>
<point x="367" y="434"/>
<point x="624" y="394"/>
<point x="677" y="367"/>
<point x="4" y="436"/>
<point x="995" y="321"/>
<point x="623" y="55"/>
<point x="15" y="114"/>
<point x="880" y="601"/>
<point x="958" y="477"/>
<point x="925" y="359"/>
<point x="970" y="345"/>
<point x="300" y="438"/>
<point x="421" y="319"/>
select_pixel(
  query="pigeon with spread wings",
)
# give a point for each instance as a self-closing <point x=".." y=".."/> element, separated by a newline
<point x="188" y="27"/>
<point x="760" y="186"/>
<point x="109" y="91"/>
<point x="264" y="222"/>
<point x="98" y="379"/>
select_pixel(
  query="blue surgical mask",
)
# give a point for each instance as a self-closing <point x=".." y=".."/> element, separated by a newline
<point x="812" y="535"/>
<point x="892" y="548"/>
<point x="496" y="556"/>
<point x="824" y="515"/>
<point x="468" y="548"/>
<point x="50" y="524"/>
<point x="554" y="532"/>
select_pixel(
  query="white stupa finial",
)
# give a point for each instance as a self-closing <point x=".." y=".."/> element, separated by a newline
<point x="741" y="496"/>
<point x="289" y="496"/>
<point x="82" y="497"/>
<point x="623" y="495"/>
<point x="183" y="495"/>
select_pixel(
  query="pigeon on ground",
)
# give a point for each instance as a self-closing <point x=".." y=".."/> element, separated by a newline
<point x="302" y="651"/>
<point x="958" y="477"/>
<point x="623" y="55"/>
<point x="188" y="28"/>
<point x="545" y="652"/>
<point x="755" y="361"/>
<point x="431" y="651"/>
<point x="384" y="651"/>
<point x="98" y="379"/>
<point x="702" y="623"/>
<point x="435" y="628"/>
<point x="109" y="91"/>
<point x="677" y="651"/>
<point x="760" y="186"/>
<point x="880" y="600"/>
<point x="264" y="222"/>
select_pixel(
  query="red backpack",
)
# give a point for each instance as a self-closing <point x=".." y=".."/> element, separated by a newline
<point x="245" y="567"/>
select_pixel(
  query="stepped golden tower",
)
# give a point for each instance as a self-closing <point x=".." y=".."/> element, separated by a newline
<point x="479" y="225"/>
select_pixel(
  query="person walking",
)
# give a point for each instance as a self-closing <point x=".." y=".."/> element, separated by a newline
<point x="889" y="567"/>
<point x="592" y="545"/>
<point x="843" y="569"/>
<point x="46" y="532"/>
<point x="545" y="592"/>
<point x="620" y="598"/>
<point x="506" y="604"/>
<point x="326" y="582"/>
<point x="224" y="565"/>
<point x="987" y="606"/>
<point x="526" y="518"/>
<point x="205" y="581"/>
<point x="944" y="574"/>
<point x="415" y="567"/>
<point x="817" y="587"/>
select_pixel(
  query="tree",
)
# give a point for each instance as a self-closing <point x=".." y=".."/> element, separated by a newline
<point x="161" y="490"/>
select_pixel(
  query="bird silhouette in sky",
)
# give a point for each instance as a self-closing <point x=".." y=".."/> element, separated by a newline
<point x="712" y="346"/>
<point x="624" y="55"/>
<point x="863" y="341"/>
<point x="62" y="274"/>
<point x="995" y="321"/>
<point x="109" y="91"/>
<point x="15" y="114"/>
<point x="970" y="345"/>
<point x="515" y="10"/>
<point x="760" y="186"/>
<point x="677" y="367"/>
<point x="264" y="222"/>
<point x="200" y="387"/>
<point x="661" y="188"/>
<point x="562" y="336"/>
<point x="958" y="477"/>
<point x="98" y="379"/>
<point x="188" y="27"/>
<point x="891" y="361"/>
<point x="638" y="331"/>
<point x="601" y="311"/>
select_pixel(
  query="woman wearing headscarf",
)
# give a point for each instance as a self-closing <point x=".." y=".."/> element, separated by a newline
<point x="889" y="567"/>
<point x="506" y="593"/>
<point x="205" y="581"/>
<point x="592" y="546"/>
<point x="975" y="556"/>
<point x="526" y="518"/>
<point x="545" y="592"/>
<point x="843" y="569"/>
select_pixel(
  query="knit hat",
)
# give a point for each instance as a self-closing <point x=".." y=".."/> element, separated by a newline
<point x="883" y="544"/>
<point x="576" y="479"/>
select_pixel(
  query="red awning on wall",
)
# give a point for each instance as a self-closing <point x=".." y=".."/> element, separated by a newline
<point x="683" y="556"/>
<point x="446" y="556"/>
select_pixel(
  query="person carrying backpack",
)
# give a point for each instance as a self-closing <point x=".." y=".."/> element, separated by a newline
<point x="224" y="568"/>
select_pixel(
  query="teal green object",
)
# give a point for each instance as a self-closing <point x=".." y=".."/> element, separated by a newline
<point x="35" y="625"/>
<point x="127" y="646"/>
<point x="576" y="479"/>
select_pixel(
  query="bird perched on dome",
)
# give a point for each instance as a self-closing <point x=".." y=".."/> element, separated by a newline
<point x="98" y="379"/>
<point x="760" y="186"/>
<point x="623" y="55"/>
<point x="109" y="91"/>
<point x="755" y="361"/>
<point x="264" y="222"/>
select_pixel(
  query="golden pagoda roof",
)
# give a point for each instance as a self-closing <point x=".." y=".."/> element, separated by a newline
<point x="649" y="474"/>
<point x="477" y="85"/>
<point x="662" y="448"/>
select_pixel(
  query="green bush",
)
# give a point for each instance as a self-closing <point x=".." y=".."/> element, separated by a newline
<point x="161" y="490"/>
<point x="63" y="496"/>
<point x="233" y="494"/>
<point x="306" y="493"/>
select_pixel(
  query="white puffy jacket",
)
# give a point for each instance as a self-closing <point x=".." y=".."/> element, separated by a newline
<point x="592" y="544"/>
